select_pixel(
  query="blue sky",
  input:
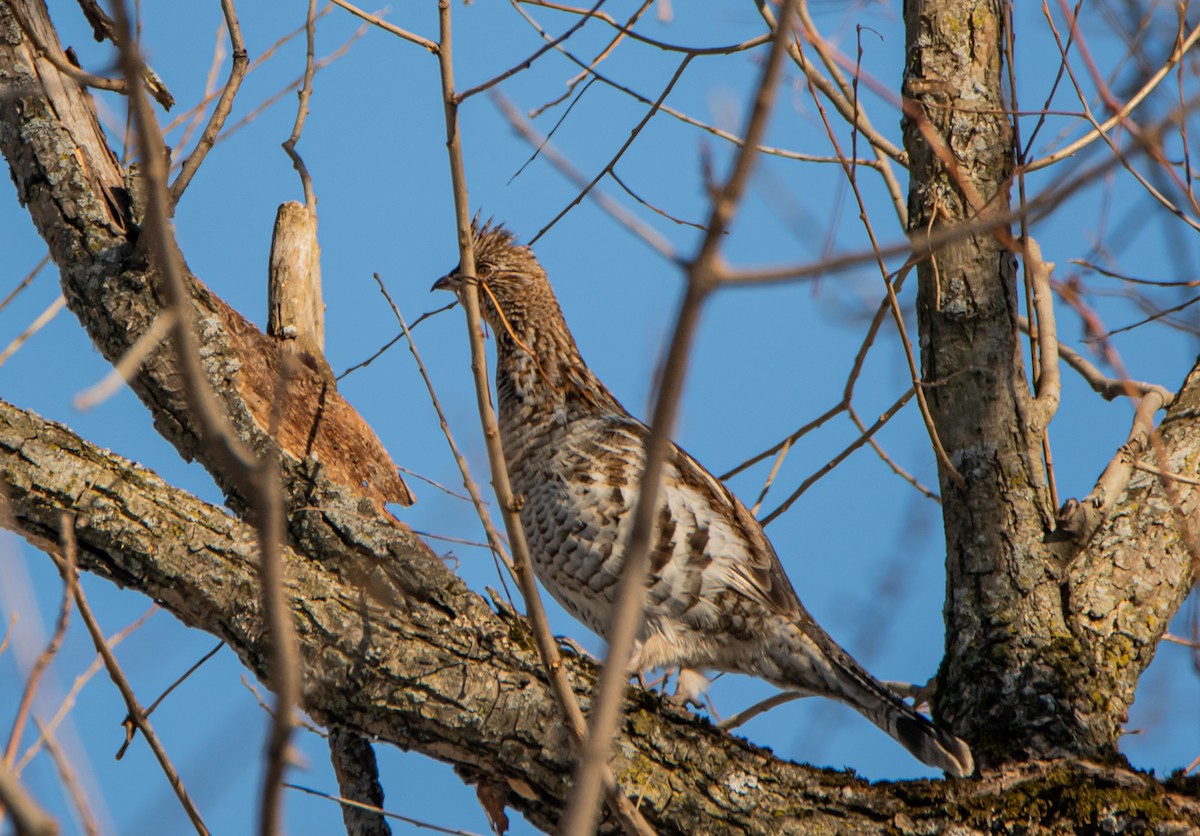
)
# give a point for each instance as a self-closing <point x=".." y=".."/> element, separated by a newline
<point x="863" y="548"/>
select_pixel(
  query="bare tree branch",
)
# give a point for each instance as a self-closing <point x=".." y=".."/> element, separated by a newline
<point x="435" y="669"/>
<point x="628" y="610"/>
<point x="29" y="818"/>
<point x="631" y="819"/>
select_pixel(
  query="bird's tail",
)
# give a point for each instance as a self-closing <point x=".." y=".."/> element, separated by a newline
<point x="823" y="668"/>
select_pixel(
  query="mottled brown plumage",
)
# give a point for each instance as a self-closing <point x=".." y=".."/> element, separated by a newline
<point x="717" y="596"/>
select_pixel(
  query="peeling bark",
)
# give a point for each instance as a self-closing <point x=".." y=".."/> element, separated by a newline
<point x="81" y="202"/>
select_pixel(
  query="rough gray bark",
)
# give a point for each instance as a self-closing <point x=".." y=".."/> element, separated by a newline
<point x="1045" y="641"/>
<point x="447" y="676"/>
<point x="358" y="779"/>
<point x="392" y="643"/>
<point x="86" y="208"/>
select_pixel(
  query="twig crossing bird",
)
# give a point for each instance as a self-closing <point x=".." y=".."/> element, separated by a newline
<point x="717" y="596"/>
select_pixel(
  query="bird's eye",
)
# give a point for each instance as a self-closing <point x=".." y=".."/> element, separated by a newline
<point x="483" y="271"/>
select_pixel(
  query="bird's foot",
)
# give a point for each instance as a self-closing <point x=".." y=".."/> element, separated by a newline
<point x="921" y="695"/>
<point x="690" y="685"/>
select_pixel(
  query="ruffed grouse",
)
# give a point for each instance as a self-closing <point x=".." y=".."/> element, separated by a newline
<point x="717" y="597"/>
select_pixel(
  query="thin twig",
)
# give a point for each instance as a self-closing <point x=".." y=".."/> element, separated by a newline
<point x="552" y="131"/>
<point x="785" y="442"/>
<point x="633" y="134"/>
<point x="462" y="541"/>
<point x="1174" y="639"/>
<point x="28" y="817"/>
<point x="547" y="647"/>
<point x="118" y="678"/>
<point x="1117" y="153"/>
<point x="237" y="72"/>
<point x="547" y="150"/>
<point x="578" y="78"/>
<point x="868" y="341"/>
<point x="289" y="144"/>
<point x="528" y="62"/>
<point x="616" y="179"/>
<point x="394" y="340"/>
<point x="210" y="93"/>
<point x="388" y="27"/>
<point x="770" y="480"/>
<point x="37" y="325"/>
<point x="33" y="680"/>
<point x="69" y="700"/>
<point x="129" y="364"/>
<point x="1113" y="274"/>
<point x="178" y="681"/>
<point x="295" y="85"/>
<point x="889" y="461"/>
<point x="1157" y="315"/>
<point x="270" y="712"/>
<point x="494" y="541"/>
<point x="1100" y="130"/>
<point x="434" y="483"/>
<point x="66" y="774"/>
<point x="183" y="678"/>
<point x="683" y="117"/>
<point x="629" y="606"/>
<point x="12" y="622"/>
<point x="198" y="108"/>
<point x="839" y="458"/>
<point x="627" y="31"/>
<point x="346" y="802"/>
<point x="25" y="282"/>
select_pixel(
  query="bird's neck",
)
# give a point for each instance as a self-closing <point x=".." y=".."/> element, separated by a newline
<point x="540" y="375"/>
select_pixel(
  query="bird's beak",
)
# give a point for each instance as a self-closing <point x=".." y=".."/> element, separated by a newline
<point x="450" y="281"/>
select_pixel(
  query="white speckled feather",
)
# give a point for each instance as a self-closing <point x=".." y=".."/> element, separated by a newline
<point x="717" y="595"/>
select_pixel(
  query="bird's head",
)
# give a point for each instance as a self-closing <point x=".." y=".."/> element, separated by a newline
<point x="513" y="288"/>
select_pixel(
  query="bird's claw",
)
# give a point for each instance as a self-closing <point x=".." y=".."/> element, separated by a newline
<point x="690" y="686"/>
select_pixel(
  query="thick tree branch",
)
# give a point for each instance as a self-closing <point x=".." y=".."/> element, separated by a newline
<point x="450" y="678"/>
<point x="87" y="212"/>
<point x="392" y="644"/>
<point x="358" y="778"/>
<point x="1135" y="573"/>
<point x="1046" y="636"/>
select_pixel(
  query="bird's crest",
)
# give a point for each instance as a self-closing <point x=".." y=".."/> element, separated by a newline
<point x="490" y="238"/>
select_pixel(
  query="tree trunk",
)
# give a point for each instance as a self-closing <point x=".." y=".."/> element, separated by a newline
<point x="392" y="644"/>
<point x="1045" y="638"/>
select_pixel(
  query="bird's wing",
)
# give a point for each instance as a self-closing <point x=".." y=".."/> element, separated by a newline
<point x="707" y="547"/>
<point x="741" y="557"/>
